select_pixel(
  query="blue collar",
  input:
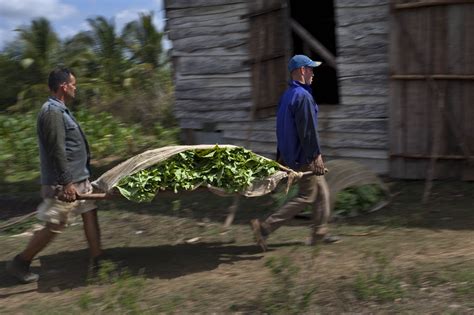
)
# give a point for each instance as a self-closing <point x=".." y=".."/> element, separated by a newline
<point x="307" y="87"/>
<point x="54" y="101"/>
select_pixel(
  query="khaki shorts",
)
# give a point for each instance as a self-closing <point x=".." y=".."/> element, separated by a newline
<point x="56" y="211"/>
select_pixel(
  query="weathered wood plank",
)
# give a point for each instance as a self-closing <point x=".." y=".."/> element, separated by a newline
<point x="396" y="166"/>
<point x="360" y="108"/>
<point x="255" y="135"/>
<point x="224" y="76"/>
<point x="354" y="140"/>
<point x="351" y="16"/>
<point x="375" y="126"/>
<point x="209" y="105"/>
<point x="216" y="10"/>
<point x="378" y="42"/>
<point x="215" y="94"/>
<point x="179" y="33"/>
<point x="364" y="100"/>
<point x="456" y="33"/>
<point x="379" y="166"/>
<point x="360" y="3"/>
<point x="367" y="89"/>
<point x="258" y="125"/>
<point x="206" y="42"/>
<point x="182" y="4"/>
<point x="239" y="51"/>
<point x="212" y="116"/>
<point x="379" y="56"/>
<point x="366" y="52"/>
<point x="211" y="65"/>
<point x="185" y="84"/>
<point x="363" y="69"/>
<point x="364" y="29"/>
<point x="355" y="153"/>
<point x="381" y="80"/>
<point x="206" y="20"/>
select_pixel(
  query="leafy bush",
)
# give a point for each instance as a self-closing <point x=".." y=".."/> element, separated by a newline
<point x="19" y="155"/>
<point x="356" y="200"/>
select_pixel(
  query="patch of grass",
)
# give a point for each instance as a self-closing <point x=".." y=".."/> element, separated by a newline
<point x="286" y="297"/>
<point x="377" y="282"/>
<point x="465" y="282"/>
<point x="122" y="295"/>
<point x="19" y="227"/>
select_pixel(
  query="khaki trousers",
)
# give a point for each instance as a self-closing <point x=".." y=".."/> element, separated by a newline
<point x="313" y="191"/>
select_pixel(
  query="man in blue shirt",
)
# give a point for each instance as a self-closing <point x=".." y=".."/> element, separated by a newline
<point x="299" y="149"/>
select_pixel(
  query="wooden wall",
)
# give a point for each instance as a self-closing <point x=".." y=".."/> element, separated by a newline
<point x="210" y="50"/>
<point x="218" y="59"/>
<point x="357" y="129"/>
<point x="432" y="90"/>
<point x="214" y="94"/>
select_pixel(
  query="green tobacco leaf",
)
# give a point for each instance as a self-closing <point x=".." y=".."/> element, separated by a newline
<point x="232" y="169"/>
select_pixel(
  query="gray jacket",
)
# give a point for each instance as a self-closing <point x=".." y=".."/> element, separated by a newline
<point x="64" y="151"/>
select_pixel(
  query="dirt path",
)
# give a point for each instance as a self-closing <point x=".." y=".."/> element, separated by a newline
<point x="412" y="259"/>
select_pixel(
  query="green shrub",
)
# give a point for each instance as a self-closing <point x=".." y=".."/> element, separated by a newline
<point x="356" y="200"/>
<point x="107" y="136"/>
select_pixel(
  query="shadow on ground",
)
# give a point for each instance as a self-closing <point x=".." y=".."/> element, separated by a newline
<point x="66" y="270"/>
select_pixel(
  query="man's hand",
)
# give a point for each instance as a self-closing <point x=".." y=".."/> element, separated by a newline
<point x="317" y="166"/>
<point x="68" y="193"/>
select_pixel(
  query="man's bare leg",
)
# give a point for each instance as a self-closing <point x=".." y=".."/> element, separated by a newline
<point x="92" y="232"/>
<point x="40" y="240"/>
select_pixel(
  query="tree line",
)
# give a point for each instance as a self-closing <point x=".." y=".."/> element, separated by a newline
<point x="125" y="72"/>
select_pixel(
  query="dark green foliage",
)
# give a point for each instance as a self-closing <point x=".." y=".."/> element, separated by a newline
<point x="107" y="136"/>
<point x="232" y="169"/>
<point x="356" y="200"/>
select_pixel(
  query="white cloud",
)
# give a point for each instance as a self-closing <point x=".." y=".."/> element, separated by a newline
<point x="27" y="9"/>
<point x="125" y="16"/>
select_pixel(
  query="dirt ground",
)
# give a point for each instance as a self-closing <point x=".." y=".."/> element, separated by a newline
<point x="172" y="256"/>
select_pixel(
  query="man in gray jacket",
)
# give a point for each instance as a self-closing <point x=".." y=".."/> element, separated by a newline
<point x="65" y="172"/>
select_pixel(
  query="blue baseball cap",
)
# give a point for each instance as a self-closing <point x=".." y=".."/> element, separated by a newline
<point x="298" y="61"/>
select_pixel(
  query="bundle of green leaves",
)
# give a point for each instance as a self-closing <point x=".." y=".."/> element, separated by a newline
<point x="231" y="169"/>
<point x="353" y="201"/>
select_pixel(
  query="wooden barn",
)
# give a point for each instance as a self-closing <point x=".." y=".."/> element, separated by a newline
<point x="395" y="90"/>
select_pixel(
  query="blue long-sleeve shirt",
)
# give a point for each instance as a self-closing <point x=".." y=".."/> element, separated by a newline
<point x="297" y="126"/>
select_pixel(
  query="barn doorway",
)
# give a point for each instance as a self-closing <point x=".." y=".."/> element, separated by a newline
<point x="321" y="26"/>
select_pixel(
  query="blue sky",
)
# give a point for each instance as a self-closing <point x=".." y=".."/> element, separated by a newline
<point x="69" y="16"/>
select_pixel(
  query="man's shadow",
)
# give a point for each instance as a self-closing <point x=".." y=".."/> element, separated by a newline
<point x="66" y="270"/>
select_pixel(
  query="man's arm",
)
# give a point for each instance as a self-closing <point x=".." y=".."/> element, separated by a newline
<point x="52" y="128"/>
<point x="306" y="124"/>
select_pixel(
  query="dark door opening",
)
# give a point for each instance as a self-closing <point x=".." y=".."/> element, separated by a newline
<point x="321" y="24"/>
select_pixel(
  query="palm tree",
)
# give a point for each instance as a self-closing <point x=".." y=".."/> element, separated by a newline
<point x="143" y="41"/>
<point x="108" y="48"/>
<point x="40" y="45"/>
<point x="38" y="50"/>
